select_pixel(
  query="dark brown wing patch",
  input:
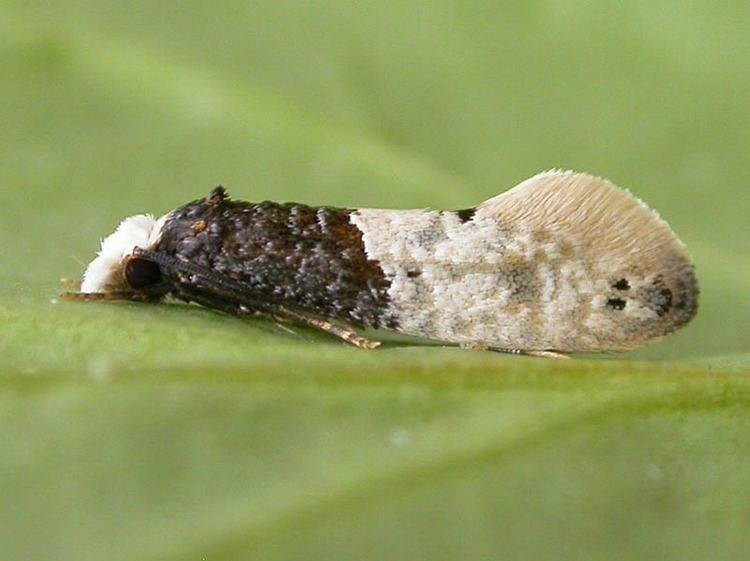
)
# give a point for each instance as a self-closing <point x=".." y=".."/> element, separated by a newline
<point x="308" y="258"/>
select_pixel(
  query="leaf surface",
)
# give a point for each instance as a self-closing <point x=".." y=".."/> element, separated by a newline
<point x="172" y="432"/>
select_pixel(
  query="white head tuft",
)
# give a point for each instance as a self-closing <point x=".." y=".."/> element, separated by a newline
<point x="104" y="273"/>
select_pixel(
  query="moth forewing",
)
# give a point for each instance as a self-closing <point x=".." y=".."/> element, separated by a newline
<point x="564" y="262"/>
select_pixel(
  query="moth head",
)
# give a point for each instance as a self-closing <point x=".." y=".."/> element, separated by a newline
<point x="115" y="267"/>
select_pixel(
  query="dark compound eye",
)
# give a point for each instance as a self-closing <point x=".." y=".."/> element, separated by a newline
<point x="140" y="273"/>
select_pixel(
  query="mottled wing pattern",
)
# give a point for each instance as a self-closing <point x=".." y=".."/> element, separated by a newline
<point x="563" y="261"/>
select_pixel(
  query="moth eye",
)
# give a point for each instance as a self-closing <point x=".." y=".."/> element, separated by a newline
<point x="140" y="273"/>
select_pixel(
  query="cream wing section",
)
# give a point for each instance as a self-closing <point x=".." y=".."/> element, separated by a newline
<point x="536" y="268"/>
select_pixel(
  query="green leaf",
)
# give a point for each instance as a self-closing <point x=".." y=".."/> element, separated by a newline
<point x="172" y="432"/>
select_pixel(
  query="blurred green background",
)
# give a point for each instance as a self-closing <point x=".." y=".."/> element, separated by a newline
<point x="172" y="432"/>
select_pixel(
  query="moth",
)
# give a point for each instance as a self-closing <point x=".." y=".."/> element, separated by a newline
<point x="562" y="263"/>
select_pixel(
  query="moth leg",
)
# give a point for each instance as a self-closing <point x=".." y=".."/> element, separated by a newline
<point x="479" y="346"/>
<point x="546" y="354"/>
<point x="232" y="303"/>
<point x="506" y="351"/>
<point x="540" y="354"/>
<point x="107" y="296"/>
<point x="209" y="301"/>
<point x="474" y="346"/>
<point x="346" y="334"/>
